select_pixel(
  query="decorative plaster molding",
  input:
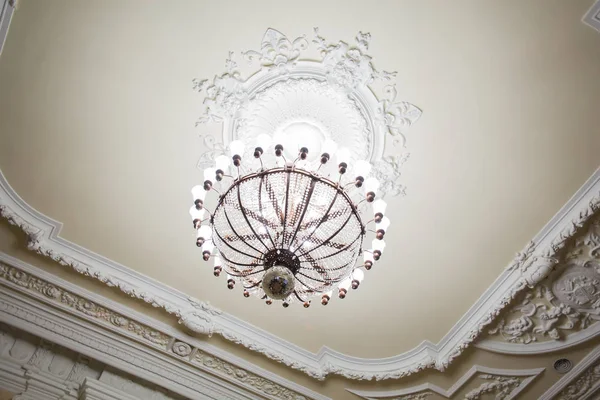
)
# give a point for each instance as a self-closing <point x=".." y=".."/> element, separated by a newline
<point x="528" y="269"/>
<point x="580" y="383"/>
<point x="34" y="369"/>
<point x="565" y="303"/>
<point x="503" y="383"/>
<point x="334" y="97"/>
<point x="184" y="350"/>
<point x="592" y="17"/>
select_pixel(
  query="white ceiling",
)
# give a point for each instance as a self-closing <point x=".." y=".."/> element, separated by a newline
<point x="97" y="122"/>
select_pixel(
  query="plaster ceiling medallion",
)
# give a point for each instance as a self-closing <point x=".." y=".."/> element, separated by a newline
<point x="338" y="96"/>
<point x="305" y="161"/>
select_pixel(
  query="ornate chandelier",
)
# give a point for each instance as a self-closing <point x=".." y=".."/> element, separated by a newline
<point x="287" y="224"/>
<point x="295" y="229"/>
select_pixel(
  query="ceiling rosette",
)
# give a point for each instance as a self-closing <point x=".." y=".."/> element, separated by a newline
<point x="303" y="102"/>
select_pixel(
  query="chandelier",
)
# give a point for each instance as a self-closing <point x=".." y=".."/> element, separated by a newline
<point x="293" y="230"/>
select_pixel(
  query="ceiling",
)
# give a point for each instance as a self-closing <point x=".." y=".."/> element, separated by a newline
<point x="97" y="118"/>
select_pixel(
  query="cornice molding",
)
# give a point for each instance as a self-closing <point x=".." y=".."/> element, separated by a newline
<point x="512" y="381"/>
<point x="528" y="268"/>
<point x="592" y="17"/>
<point x="580" y="383"/>
<point x="53" y="309"/>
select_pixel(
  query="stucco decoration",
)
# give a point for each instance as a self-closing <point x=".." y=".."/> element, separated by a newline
<point x="564" y="304"/>
<point x="335" y="96"/>
<point x="118" y="323"/>
<point x="528" y="267"/>
<point x="500" y="383"/>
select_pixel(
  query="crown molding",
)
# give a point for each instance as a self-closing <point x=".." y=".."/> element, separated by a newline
<point x="66" y="314"/>
<point x="592" y="17"/>
<point x="520" y="379"/>
<point x="580" y="383"/>
<point x="528" y="268"/>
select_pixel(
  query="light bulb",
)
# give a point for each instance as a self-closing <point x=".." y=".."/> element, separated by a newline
<point x="378" y="245"/>
<point x="236" y="148"/>
<point x="379" y="207"/>
<point x="222" y="162"/>
<point x="371" y="185"/>
<point x="217" y="261"/>
<point x="362" y="168"/>
<point x="197" y="214"/>
<point x="383" y="225"/>
<point x="209" y="174"/>
<point x="208" y="247"/>
<point x="343" y="155"/>
<point x="358" y="275"/>
<point x="205" y="232"/>
<point x="346" y="283"/>
<point x="368" y="256"/>
<point x="264" y="141"/>
<point x="329" y="147"/>
<point x="198" y="193"/>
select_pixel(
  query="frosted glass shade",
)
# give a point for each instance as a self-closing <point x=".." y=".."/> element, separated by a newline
<point x="209" y="174"/>
<point x="198" y="193"/>
<point x="371" y="185"/>
<point x="362" y="168"/>
<point x="383" y="225"/>
<point x="236" y="148"/>
<point x="378" y="245"/>
<point x="222" y="162"/>
<point x="379" y="206"/>
<point x="205" y="232"/>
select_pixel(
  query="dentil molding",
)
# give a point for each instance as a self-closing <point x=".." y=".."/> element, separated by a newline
<point x="502" y="383"/>
<point x="285" y="94"/>
<point x="528" y="268"/>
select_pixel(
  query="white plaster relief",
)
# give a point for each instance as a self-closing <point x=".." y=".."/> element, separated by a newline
<point x="26" y="278"/>
<point x="527" y="269"/>
<point x="333" y="95"/>
<point x="566" y="303"/>
<point x="501" y="383"/>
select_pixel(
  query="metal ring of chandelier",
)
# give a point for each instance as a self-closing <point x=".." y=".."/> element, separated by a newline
<point x="288" y="233"/>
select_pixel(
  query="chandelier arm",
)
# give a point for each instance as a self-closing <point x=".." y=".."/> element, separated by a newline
<point x="238" y="264"/>
<point x="260" y="208"/>
<point x="273" y="200"/>
<point x="332" y="254"/>
<point x="307" y="203"/>
<point x="311" y="278"/>
<point x="334" y="269"/>
<point x="233" y="248"/>
<point x="329" y="238"/>
<point x="241" y="275"/>
<point x="236" y="233"/>
<point x="253" y="286"/>
<point x="287" y="200"/>
<point x="243" y="210"/>
<point x="323" y="218"/>
<point x="298" y="296"/>
<point x="303" y="283"/>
